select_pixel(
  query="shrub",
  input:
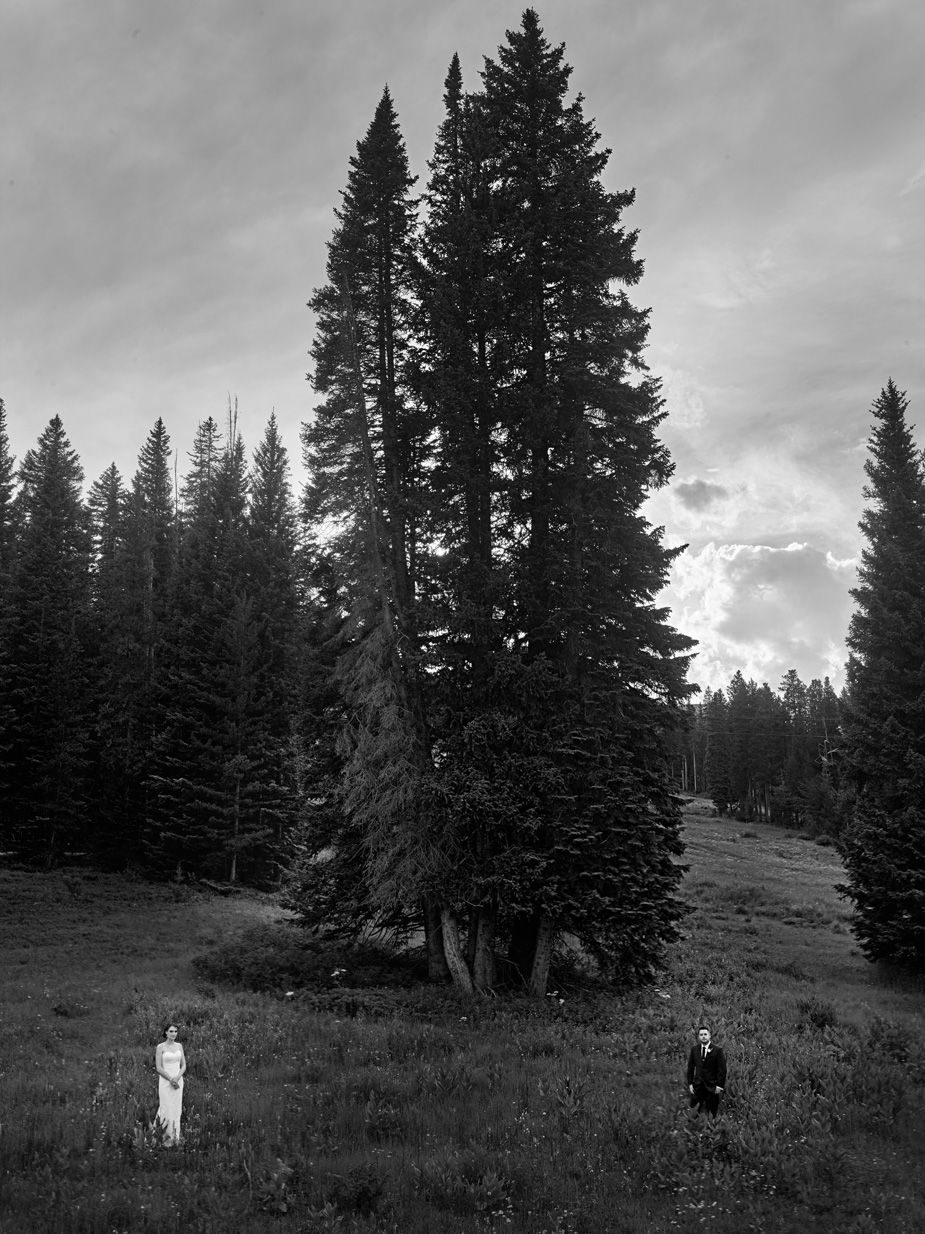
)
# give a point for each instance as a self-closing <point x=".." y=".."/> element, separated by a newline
<point x="464" y="1182"/>
<point x="360" y="1190"/>
<point x="898" y="1043"/>
<point x="280" y="956"/>
<point x="818" y="1012"/>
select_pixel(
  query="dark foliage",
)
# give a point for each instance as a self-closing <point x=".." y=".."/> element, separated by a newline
<point x="885" y="714"/>
<point x="487" y="437"/>
<point x="284" y="958"/>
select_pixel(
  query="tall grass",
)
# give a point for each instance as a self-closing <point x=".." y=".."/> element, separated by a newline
<point x="395" y="1110"/>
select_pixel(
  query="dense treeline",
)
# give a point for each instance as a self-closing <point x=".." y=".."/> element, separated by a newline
<point x="772" y="756"/>
<point x="150" y="656"/>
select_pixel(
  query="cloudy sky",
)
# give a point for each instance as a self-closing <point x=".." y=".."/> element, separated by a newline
<point x="168" y="170"/>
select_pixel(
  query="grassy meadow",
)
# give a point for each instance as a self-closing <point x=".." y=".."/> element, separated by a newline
<point x="329" y="1103"/>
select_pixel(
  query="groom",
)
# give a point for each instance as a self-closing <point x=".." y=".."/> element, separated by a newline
<point x="706" y="1073"/>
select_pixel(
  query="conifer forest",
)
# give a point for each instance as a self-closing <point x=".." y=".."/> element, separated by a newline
<point x="432" y="689"/>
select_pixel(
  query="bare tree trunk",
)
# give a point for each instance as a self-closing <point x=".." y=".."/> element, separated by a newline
<point x="233" y="875"/>
<point x="437" y="968"/>
<point x="539" y="973"/>
<point x="472" y="938"/>
<point x="483" y="961"/>
<point x="459" y="970"/>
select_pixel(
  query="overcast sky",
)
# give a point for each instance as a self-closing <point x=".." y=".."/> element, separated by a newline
<point x="168" y="171"/>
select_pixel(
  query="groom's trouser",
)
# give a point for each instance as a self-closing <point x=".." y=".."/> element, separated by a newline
<point x="703" y="1097"/>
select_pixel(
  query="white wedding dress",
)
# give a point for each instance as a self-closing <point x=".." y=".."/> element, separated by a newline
<point x="171" y="1106"/>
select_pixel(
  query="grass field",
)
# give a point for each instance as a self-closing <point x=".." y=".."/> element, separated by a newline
<point x="410" y="1112"/>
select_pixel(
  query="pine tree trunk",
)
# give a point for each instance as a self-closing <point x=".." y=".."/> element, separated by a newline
<point x="483" y="962"/>
<point x="437" y="968"/>
<point x="472" y="938"/>
<point x="459" y="970"/>
<point x="542" y="955"/>
<point x="522" y="945"/>
<point x="233" y="873"/>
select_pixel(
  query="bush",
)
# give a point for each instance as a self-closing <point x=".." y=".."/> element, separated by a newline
<point x="360" y="1190"/>
<point x="269" y="957"/>
<point x="818" y="1012"/>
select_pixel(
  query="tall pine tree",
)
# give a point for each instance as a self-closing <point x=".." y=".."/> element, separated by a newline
<point x="151" y="551"/>
<point x="48" y="635"/>
<point x="537" y="736"/>
<point x="7" y="528"/>
<point x="884" y="722"/>
<point x="272" y="579"/>
<point x="112" y="661"/>
<point x="365" y="452"/>
<point x="599" y="675"/>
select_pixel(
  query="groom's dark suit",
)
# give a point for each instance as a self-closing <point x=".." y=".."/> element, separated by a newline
<point x="706" y="1074"/>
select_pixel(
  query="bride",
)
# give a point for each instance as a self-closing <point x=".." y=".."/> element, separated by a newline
<point x="170" y="1063"/>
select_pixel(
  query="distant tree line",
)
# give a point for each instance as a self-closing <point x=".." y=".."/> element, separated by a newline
<point x="774" y="756"/>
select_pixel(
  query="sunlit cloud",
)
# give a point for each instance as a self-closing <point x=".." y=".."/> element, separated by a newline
<point x="763" y="610"/>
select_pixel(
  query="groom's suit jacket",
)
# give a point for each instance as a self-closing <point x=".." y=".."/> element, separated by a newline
<point x="709" y="1071"/>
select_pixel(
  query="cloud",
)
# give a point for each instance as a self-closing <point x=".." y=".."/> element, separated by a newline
<point x="682" y="393"/>
<point x="697" y="494"/>
<point x="914" y="182"/>
<point x="763" y="610"/>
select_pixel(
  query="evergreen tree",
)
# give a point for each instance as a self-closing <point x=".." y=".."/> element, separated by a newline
<point x="191" y="780"/>
<point x="224" y="780"/>
<point x="151" y="551"/>
<point x="767" y="735"/>
<point x="741" y="748"/>
<point x="47" y="640"/>
<point x="825" y="801"/>
<point x="552" y="679"/>
<point x="599" y="675"/>
<point x="884" y="723"/>
<point x="110" y="659"/>
<point x="7" y="504"/>
<point x="521" y="783"/>
<point x="156" y="529"/>
<point x="271" y="553"/>
<point x="718" y="745"/>
<point x="364" y="453"/>
<point x="7" y="546"/>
